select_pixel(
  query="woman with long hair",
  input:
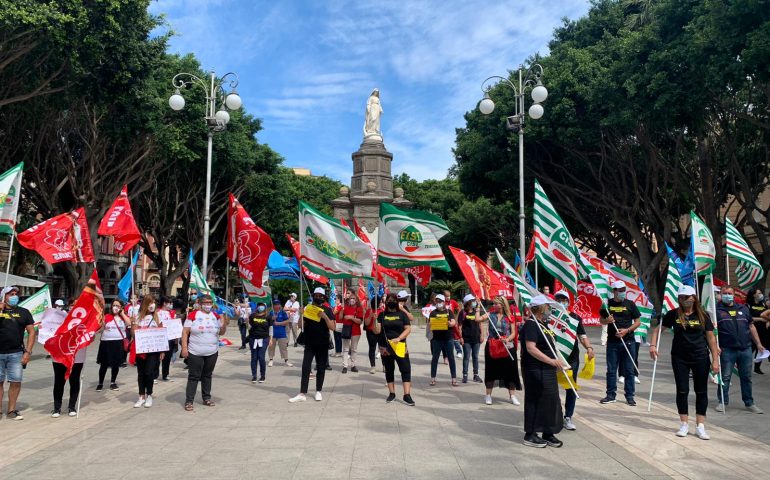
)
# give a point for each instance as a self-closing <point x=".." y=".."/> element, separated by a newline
<point x="505" y="370"/>
<point x="111" y="350"/>
<point x="352" y="316"/>
<point x="693" y="341"/>
<point x="317" y="321"/>
<point x="755" y="300"/>
<point x="470" y="319"/>
<point x="370" y="318"/>
<point x="393" y="326"/>
<point x="147" y="364"/>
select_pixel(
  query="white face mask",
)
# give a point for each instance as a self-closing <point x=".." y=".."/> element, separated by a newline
<point x="115" y="309"/>
<point x="440" y="305"/>
<point x="207" y="308"/>
<point x="168" y="306"/>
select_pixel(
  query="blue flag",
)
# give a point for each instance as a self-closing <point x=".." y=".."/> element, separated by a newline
<point x="223" y="308"/>
<point x="686" y="268"/>
<point x="332" y="294"/>
<point x="127" y="282"/>
<point x="371" y="290"/>
<point x="516" y="266"/>
<point x="381" y="291"/>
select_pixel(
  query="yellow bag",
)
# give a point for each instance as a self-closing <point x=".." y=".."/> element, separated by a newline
<point x="564" y="383"/>
<point x="398" y="347"/>
<point x="589" y="366"/>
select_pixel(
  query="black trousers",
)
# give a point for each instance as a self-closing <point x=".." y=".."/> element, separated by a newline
<point x="166" y="364"/>
<point x="321" y="354"/>
<point x="200" y="370"/>
<point x="113" y="373"/>
<point x="700" y="377"/>
<point x="59" y="370"/>
<point x="542" y="406"/>
<point x="371" y="339"/>
<point x="146" y="371"/>
<point x="404" y="366"/>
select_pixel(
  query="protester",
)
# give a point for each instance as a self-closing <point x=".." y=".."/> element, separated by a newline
<point x="316" y="324"/>
<point x="441" y="322"/>
<point x="292" y="309"/>
<point x="622" y="317"/>
<point x="259" y="338"/>
<point x="14" y="355"/>
<point x="457" y="333"/>
<point x="243" y="310"/>
<point x="393" y="326"/>
<point x="280" y="321"/>
<point x="470" y="318"/>
<point x="352" y="315"/>
<point x="165" y="313"/>
<point x="542" y="407"/>
<point x="574" y="358"/>
<point x="111" y="345"/>
<point x="370" y="318"/>
<point x="736" y="334"/>
<point x="755" y="300"/>
<point x="505" y="370"/>
<point x="132" y="310"/>
<point x="146" y="363"/>
<point x="693" y="340"/>
<point x="200" y="346"/>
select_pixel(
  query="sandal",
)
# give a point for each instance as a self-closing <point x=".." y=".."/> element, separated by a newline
<point x="188" y="407"/>
<point x="454" y="382"/>
<point x="432" y="382"/>
<point x="209" y="403"/>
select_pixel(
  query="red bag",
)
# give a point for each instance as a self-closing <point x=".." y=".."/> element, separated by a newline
<point x="497" y="348"/>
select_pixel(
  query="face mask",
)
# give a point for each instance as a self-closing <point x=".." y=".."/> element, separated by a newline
<point x="151" y="308"/>
<point x="13" y="301"/>
<point x="621" y="296"/>
<point x="727" y="298"/>
<point x="564" y="304"/>
<point x="207" y="308"/>
<point x="318" y="300"/>
<point x="168" y="306"/>
<point x="115" y="310"/>
<point x="473" y="304"/>
<point x="759" y="297"/>
<point x="352" y="301"/>
<point x="392" y="305"/>
<point x="687" y="303"/>
<point x="261" y="308"/>
<point x="440" y="305"/>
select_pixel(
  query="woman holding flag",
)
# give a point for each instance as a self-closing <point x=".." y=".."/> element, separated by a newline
<point x="693" y="341"/>
<point x="502" y="326"/>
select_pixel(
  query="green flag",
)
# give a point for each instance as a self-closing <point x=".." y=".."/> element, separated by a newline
<point x="37" y="303"/>
<point x="197" y="280"/>
<point x="10" y="189"/>
<point x="554" y="247"/>
<point x="749" y="269"/>
<point x="673" y="284"/>
<point x="409" y="238"/>
<point x="703" y="245"/>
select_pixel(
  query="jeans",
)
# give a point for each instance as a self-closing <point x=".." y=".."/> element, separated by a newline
<point x="200" y="370"/>
<point x="10" y="366"/>
<point x="745" y="362"/>
<point x="436" y="348"/>
<point x="617" y="358"/>
<point x="258" y="355"/>
<point x="570" y="397"/>
<point x="244" y="338"/>
<point x="59" y="369"/>
<point x="350" y="350"/>
<point x="371" y="339"/>
<point x="337" y="342"/>
<point x="471" y="349"/>
<point x="458" y="347"/>
<point x="321" y="354"/>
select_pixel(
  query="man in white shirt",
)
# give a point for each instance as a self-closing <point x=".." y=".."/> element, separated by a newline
<point x="292" y="309"/>
<point x="243" y="310"/>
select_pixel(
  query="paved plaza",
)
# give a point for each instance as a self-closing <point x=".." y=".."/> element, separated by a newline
<point x="253" y="432"/>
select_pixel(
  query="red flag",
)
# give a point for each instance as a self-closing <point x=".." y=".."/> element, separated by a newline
<point x="63" y="238"/>
<point x="119" y="223"/>
<point x="361" y="233"/>
<point x="249" y="244"/>
<point x="397" y="275"/>
<point x="80" y="327"/>
<point x="308" y="274"/>
<point x="363" y="297"/>
<point x="421" y="274"/>
<point x="531" y="252"/>
<point x="484" y="282"/>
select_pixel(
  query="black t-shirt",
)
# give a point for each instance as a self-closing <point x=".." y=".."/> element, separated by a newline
<point x="393" y="323"/>
<point x="756" y="310"/>
<point x="574" y="356"/>
<point x="13" y="322"/>
<point x="439" y="325"/>
<point x="259" y="326"/>
<point x="531" y="332"/>
<point x="625" y="314"/>
<point x="690" y="342"/>
<point x="471" y="329"/>
<point x="315" y="328"/>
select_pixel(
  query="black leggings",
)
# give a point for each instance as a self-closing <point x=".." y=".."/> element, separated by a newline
<point x="404" y="366"/>
<point x="113" y="373"/>
<point x="146" y="372"/>
<point x="700" y="376"/>
<point x="321" y="354"/>
<point x="371" y="339"/>
<point x="58" y="384"/>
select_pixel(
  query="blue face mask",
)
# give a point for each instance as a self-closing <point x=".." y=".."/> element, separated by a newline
<point x="727" y="298"/>
<point x="261" y="308"/>
<point x="13" y="301"/>
<point x="621" y="296"/>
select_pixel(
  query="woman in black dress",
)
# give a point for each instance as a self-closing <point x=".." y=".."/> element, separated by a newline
<point x="505" y="370"/>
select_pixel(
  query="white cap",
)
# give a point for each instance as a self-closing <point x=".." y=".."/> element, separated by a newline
<point x="468" y="298"/>
<point x="440" y="297"/>
<point x="403" y="294"/>
<point x="293" y="295"/>
<point x="539" y="300"/>
<point x="7" y="290"/>
<point x="319" y="290"/>
<point x="561" y="293"/>
<point x="685" y="290"/>
<point x="59" y="303"/>
<point x="618" y="284"/>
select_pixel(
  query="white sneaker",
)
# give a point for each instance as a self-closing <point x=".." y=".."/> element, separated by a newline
<point x="288" y="363"/>
<point x="139" y="402"/>
<point x="373" y="370"/>
<point x="270" y="363"/>
<point x="700" y="430"/>
<point x="459" y="354"/>
<point x="377" y="355"/>
<point x="621" y="380"/>
<point x="155" y="382"/>
<point x="568" y="424"/>
<point x="754" y="409"/>
<point x="636" y="380"/>
<point x="488" y="399"/>
<point x="73" y="413"/>
<point x="318" y="396"/>
<point x="148" y="402"/>
<point x="515" y="400"/>
<point x="720" y="408"/>
<point x="298" y="398"/>
<point x="55" y="413"/>
<point x="684" y="429"/>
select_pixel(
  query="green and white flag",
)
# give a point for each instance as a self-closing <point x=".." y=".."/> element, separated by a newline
<point x="673" y="284"/>
<point x="703" y="245"/>
<point x="37" y="303"/>
<point x="709" y="299"/>
<point x="258" y="294"/>
<point x="10" y="194"/>
<point x="197" y="280"/>
<point x="749" y="269"/>
<point x="329" y="248"/>
<point x="560" y="322"/>
<point x="554" y="247"/>
<point x="600" y="282"/>
<point x="409" y="238"/>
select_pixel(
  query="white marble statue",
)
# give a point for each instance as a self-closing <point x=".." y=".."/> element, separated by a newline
<point x="373" y="114"/>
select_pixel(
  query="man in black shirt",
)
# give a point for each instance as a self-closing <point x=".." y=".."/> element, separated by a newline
<point x="14" y="321"/>
<point x="622" y="318"/>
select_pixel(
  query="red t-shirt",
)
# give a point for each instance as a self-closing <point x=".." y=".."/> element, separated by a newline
<point x="357" y="312"/>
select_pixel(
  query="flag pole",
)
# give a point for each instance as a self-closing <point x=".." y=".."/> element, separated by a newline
<point x="10" y="253"/>
<point x="655" y="363"/>
<point x="630" y="357"/>
<point x="713" y="314"/>
<point x="537" y="283"/>
<point x="558" y="356"/>
<point x="727" y="267"/>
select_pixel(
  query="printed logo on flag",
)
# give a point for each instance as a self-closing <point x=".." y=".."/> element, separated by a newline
<point x="562" y="247"/>
<point x="409" y="239"/>
<point x="10" y="197"/>
<point x="57" y="238"/>
<point x="244" y="251"/>
<point x="330" y="249"/>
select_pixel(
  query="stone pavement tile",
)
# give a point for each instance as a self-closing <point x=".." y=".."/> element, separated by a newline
<point x="373" y="471"/>
<point x="434" y="470"/>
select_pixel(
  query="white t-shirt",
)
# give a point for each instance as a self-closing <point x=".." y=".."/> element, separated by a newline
<point x="114" y="328"/>
<point x="147" y="322"/>
<point x="204" y="333"/>
<point x="293" y="316"/>
<point x="244" y="311"/>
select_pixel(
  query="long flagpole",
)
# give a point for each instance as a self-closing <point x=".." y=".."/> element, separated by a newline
<point x="10" y="254"/>
<point x="713" y="313"/>
<point x="727" y="267"/>
<point x="558" y="356"/>
<point x="537" y="282"/>
<point x="655" y="363"/>
<point x="227" y="278"/>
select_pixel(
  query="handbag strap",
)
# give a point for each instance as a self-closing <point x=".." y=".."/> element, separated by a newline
<point x="118" y="327"/>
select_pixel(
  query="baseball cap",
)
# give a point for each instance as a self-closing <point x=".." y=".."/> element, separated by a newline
<point x="686" y="291"/>
<point x="59" y="303"/>
<point x="561" y="293"/>
<point x="539" y="300"/>
<point x="618" y="284"/>
<point x="320" y="291"/>
<point x="403" y="294"/>
<point x="8" y="289"/>
<point x="293" y="295"/>
<point x="468" y="298"/>
<point x="440" y="297"/>
<point x="276" y="302"/>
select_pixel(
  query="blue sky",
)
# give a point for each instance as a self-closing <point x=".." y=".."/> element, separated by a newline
<point x="307" y="68"/>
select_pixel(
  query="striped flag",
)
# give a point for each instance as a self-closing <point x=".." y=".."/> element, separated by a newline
<point x="10" y="194"/>
<point x="673" y="284"/>
<point x="600" y="282"/>
<point x="554" y="247"/>
<point x="409" y="238"/>
<point x="702" y="245"/>
<point x="749" y="269"/>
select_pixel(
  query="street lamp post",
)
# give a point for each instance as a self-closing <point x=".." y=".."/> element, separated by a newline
<point x="216" y="121"/>
<point x="528" y="78"/>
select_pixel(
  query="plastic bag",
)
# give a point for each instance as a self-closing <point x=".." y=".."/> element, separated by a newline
<point x="564" y="383"/>
<point x="589" y="366"/>
<point x="399" y="348"/>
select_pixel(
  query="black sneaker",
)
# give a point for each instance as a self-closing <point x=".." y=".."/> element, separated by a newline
<point x="552" y="441"/>
<point x="758" y="369"/>
<point x="123" y="365"/>
<point x="253" y="379"/>
<point x="99" y="387"/>
<point x="344" y="369"/>
<point x="408" y="400"/>
<point x="631" y="402"/>
<point x="477" y="379"/>
<point x="328" y="367"/>
<point x="243" y="347"/>
<point x="114" y="387"/>
<point x="606" y="400"/>
<point x="391" y="397"/>
<point x="534" y="440"/>
<point x="465" y="378"/>
<point x="354" y="370"/>
<point x="261" y="379"/>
